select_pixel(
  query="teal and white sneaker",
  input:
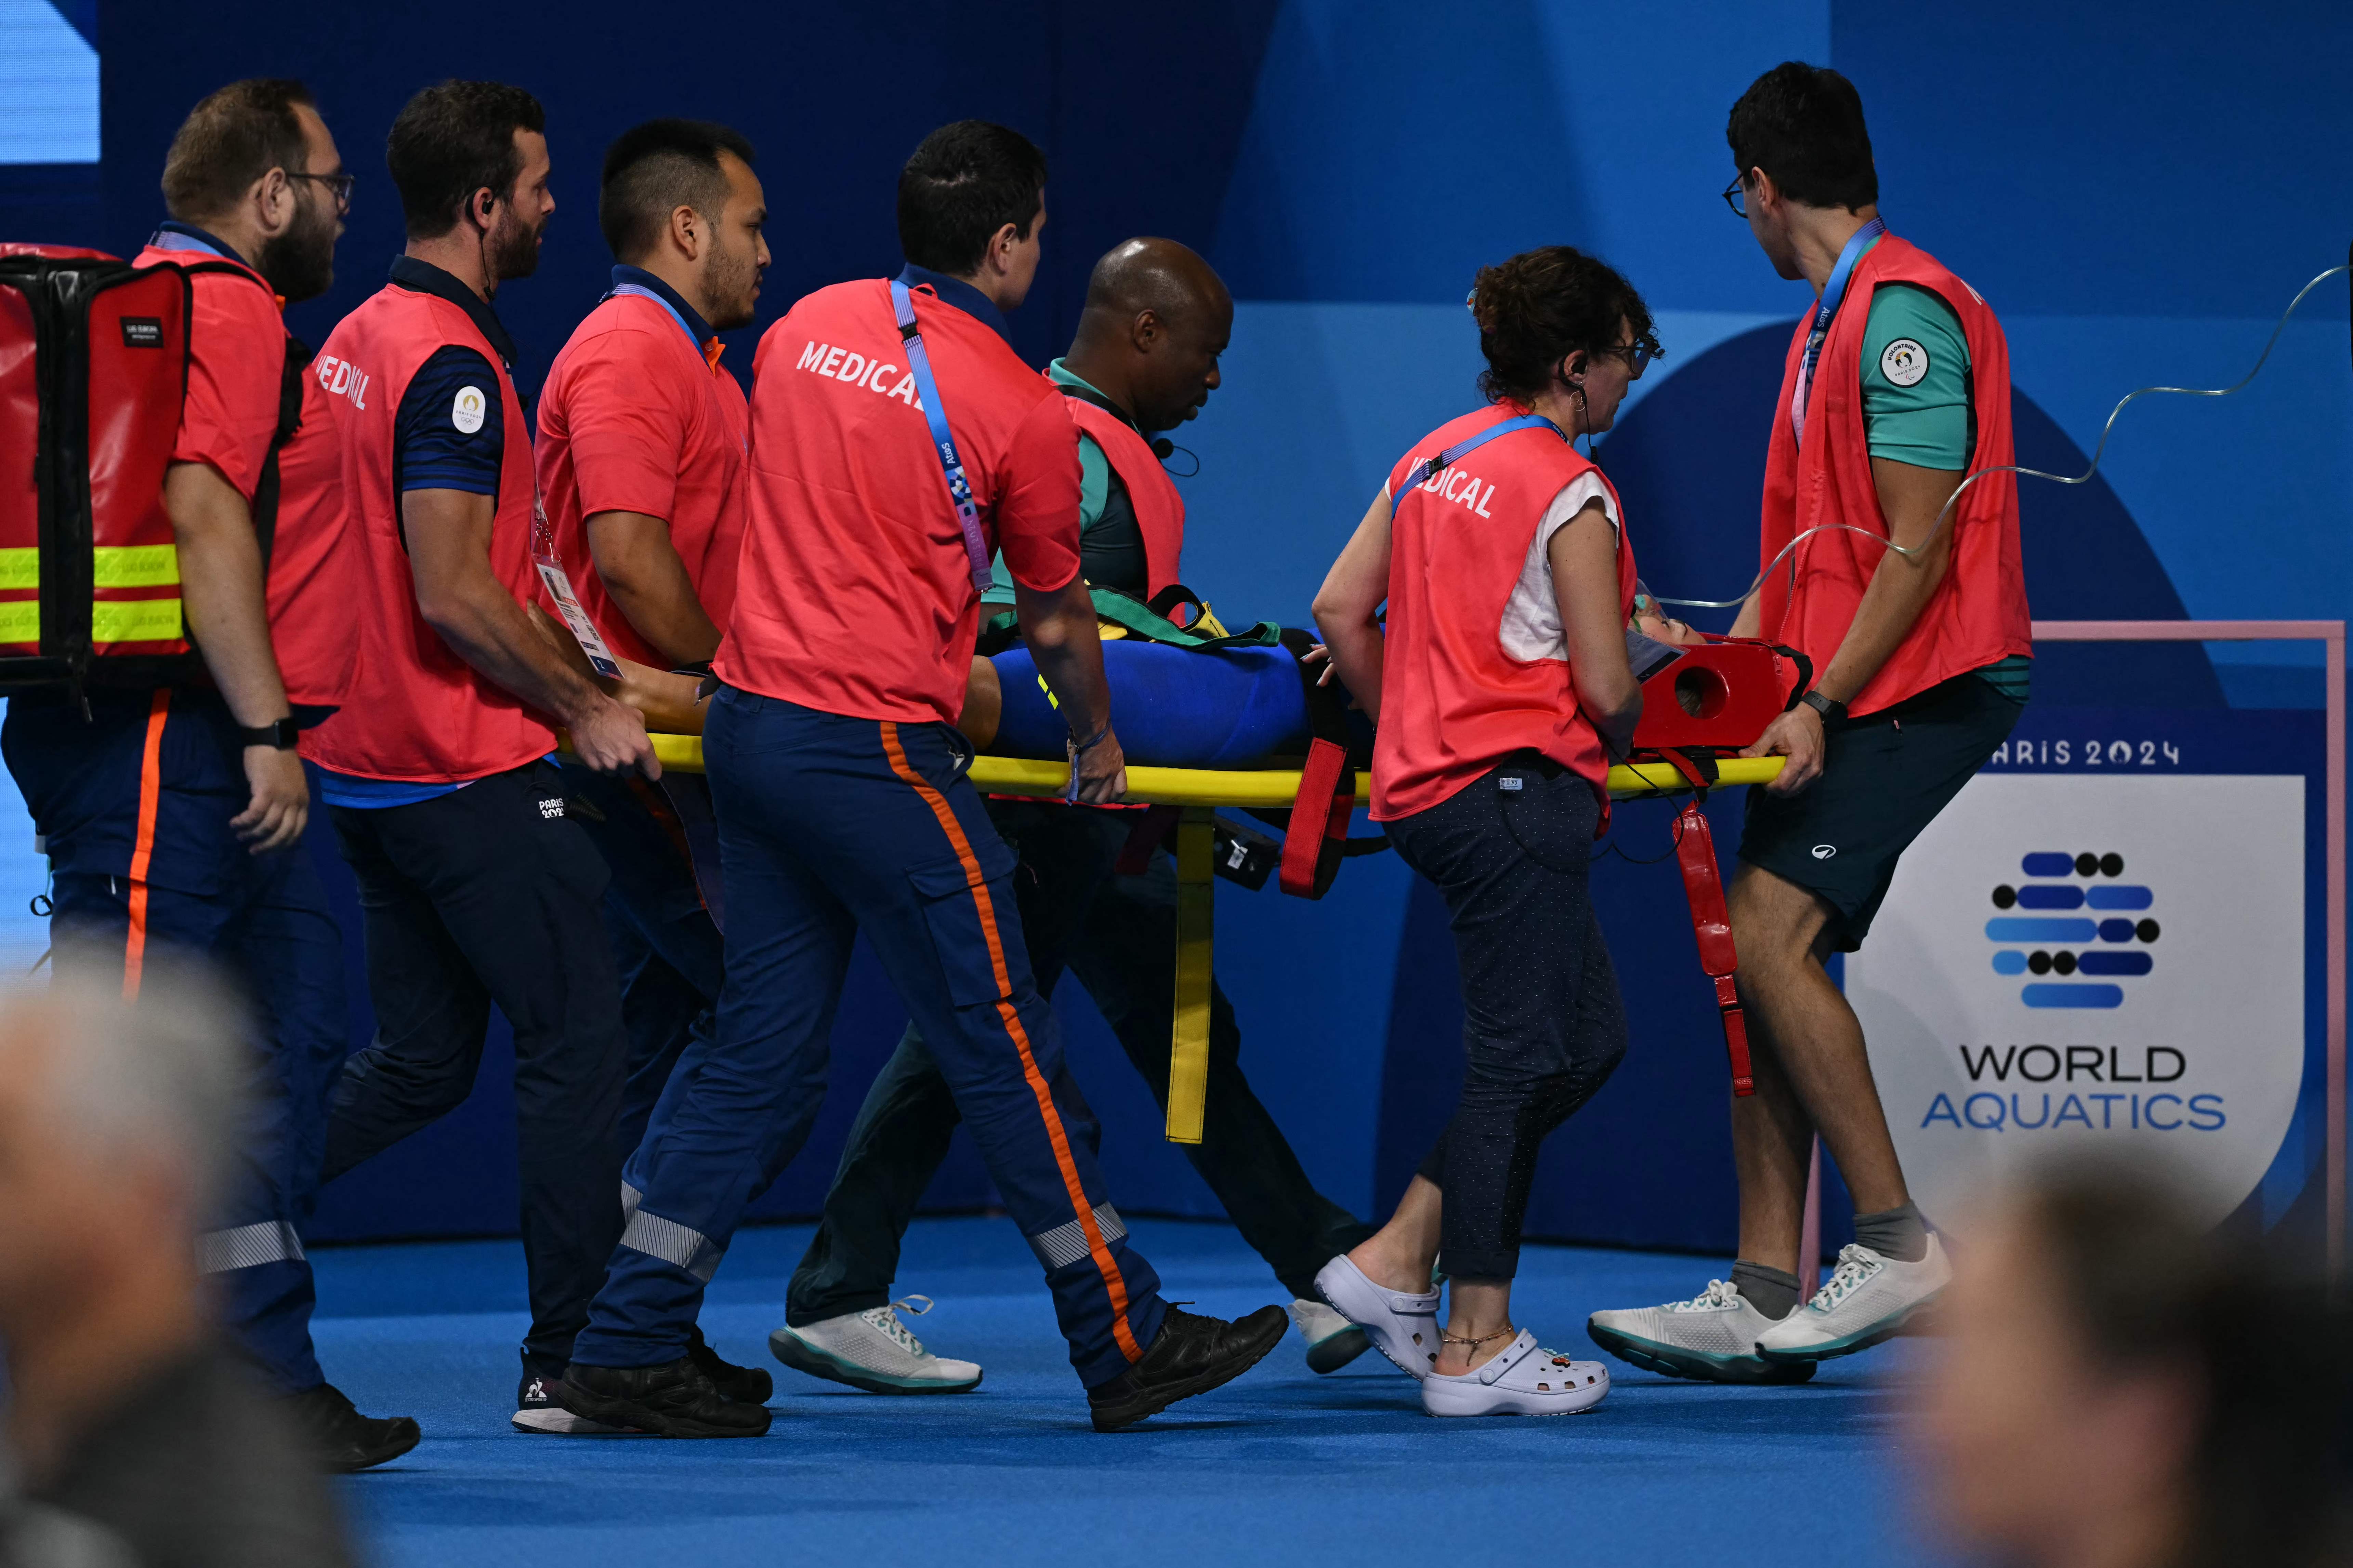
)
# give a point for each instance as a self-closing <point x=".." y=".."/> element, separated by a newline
<point x="1868" y="1299"/>
<point x="873" y="1350"/>
<point x="1333" y="1342"/>
<point x="1712" y="1337"/>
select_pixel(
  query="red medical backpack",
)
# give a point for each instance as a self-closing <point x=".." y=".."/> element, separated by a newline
<point x="93" y="370"/>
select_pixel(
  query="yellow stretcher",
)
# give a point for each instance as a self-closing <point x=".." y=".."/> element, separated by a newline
<point x="1201" y="793"/>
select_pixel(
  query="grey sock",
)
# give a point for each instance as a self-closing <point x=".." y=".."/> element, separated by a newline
<point x="1770" y="1291"/>
<point x="1897" y="1232"/>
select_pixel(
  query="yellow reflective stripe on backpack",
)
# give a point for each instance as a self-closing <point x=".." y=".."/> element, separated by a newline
<point x="20" y="568"/>
<point x="135" y="620"/>
<point x="134" y="567"/>
<point x="20" y="621"/>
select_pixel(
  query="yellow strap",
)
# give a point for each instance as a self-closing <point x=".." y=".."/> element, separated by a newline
<point x="20" y="621"/>
<point x="135" y="566"/>
<point x="1189" y="1041"/>
<point x="135" y="620"/>
<point x="20" y="568"/>
<point x="1265" y="787"/>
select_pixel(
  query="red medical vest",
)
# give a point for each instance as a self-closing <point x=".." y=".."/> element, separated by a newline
<point x="1977" y="616"/>
<point x="416" y="710"/>
<point x="1159" y="510"/>
<point x="1453" y="703"/>
<point x="634" y="418"/>
<point x="855" y="589"/>
<point x="313" y="557"/>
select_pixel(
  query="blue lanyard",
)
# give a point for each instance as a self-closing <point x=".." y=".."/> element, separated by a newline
<point x="935" y="413"/>
<point x="640" y="292"/>
<point x="1824" y="309"/>
<point x="1429" y="468"/>
<point x="172" y="239"/>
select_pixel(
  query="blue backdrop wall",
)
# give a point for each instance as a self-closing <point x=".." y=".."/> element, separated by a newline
<point x="2137" y="205"/>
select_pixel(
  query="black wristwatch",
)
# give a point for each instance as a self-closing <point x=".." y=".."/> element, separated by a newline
<point x="280" y="733"/>
<point x="1832" y="710"/>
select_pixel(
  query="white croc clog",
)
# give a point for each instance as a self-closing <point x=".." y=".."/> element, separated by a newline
<point x="1524" y="1380"/>
<point x="1402" y="1326"/>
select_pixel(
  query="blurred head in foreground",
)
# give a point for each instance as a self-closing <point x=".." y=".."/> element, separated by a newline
<point x="114" y="1126"/>
<point x="2119" y="1388"/>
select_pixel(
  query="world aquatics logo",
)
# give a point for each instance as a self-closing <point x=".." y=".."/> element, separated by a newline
<point x="2071" y="918"/>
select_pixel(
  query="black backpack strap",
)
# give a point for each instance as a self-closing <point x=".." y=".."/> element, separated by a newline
<point x="267" y="489"/>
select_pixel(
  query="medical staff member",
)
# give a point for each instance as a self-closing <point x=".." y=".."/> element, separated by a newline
<point x="1897" y="382"/>
<point x="640" y="459"/>
<point x="174" y="816"/>
<point x="1145" y="360"/>
<point x="1502" y="693"/>
<point x="477" y="886"/>
<point x="897" y="445"/>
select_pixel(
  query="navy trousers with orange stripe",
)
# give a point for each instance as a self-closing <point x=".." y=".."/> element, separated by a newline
<point x="134" y="807"/>
<point x="830" y="826"/>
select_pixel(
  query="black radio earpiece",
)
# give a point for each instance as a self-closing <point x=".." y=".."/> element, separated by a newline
<point x="1162" y="447"/>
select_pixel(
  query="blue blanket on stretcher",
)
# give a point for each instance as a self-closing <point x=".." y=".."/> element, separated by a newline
<point x="1173" y="707"/>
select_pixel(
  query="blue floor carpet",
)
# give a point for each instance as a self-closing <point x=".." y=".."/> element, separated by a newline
<point x="1280" y="1467"/>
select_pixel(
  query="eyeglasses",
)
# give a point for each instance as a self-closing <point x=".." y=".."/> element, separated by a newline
<point x="1736" y="197"/>
<point x="338" y="186"/>
<point x="1639" y="355"/>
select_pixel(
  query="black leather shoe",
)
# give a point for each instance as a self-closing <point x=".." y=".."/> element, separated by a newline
<point x="673" y="1400"/>
<point x="340" y="1437"/>
<point x="1191" y="1355"/>
<point x="744" y="1384"/>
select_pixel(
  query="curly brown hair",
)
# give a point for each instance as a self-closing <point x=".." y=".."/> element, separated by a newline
<point x="1543" y="305"/>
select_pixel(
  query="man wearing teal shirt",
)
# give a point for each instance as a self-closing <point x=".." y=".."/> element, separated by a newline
<point x="1820" y="845"/>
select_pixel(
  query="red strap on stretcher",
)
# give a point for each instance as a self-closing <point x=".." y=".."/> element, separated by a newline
<point x="1711" y="928"/>
<point x="1153" y="825"/>
<point x="1317" y="840"/>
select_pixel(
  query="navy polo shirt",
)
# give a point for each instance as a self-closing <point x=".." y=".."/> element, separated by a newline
<point x="431" y="451"/>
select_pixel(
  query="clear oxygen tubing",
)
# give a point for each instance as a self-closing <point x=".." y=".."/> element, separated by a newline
<point x="2085" y="478"/>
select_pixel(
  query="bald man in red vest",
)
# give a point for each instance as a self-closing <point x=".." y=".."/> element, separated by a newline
<point x="1145" y="360"/>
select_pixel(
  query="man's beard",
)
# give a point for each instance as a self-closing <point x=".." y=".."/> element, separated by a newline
<point x="731" y="286"/>
<point x="513" y="249"/>
<point x="301" y="263"/>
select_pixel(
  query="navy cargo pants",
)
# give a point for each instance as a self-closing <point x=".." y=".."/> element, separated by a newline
<point x="134" y="807"/>
<point x="829" y="826"/>
<point x="1117" y="934"/>
<point x="666" y="947"/>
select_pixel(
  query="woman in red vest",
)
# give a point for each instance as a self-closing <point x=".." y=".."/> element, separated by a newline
<point x="1503" y="691"/>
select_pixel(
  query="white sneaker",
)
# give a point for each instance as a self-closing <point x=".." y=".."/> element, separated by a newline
<point x="1867" y="1299"/>
<point x="1402" y="1325"/>
<point x="1333" y="1342"/>
<point x="1524" y="1380"/>
<point x="1713" y="1336"/>
<point x="873" y="1350"/>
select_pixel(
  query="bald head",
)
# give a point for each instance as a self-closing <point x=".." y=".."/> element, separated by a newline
<point x="1157" y="275"/>
<point x="1157" y="318"/>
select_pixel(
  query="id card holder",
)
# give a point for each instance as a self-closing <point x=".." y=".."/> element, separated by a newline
<point x="567" y="603"/>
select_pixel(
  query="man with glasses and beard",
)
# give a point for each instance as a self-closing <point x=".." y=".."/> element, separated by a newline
<point x="478" y="886"/>
<point x="173" y="815"/>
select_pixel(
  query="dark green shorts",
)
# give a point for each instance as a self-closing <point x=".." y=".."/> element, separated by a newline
<point x="1885" y="778"/>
